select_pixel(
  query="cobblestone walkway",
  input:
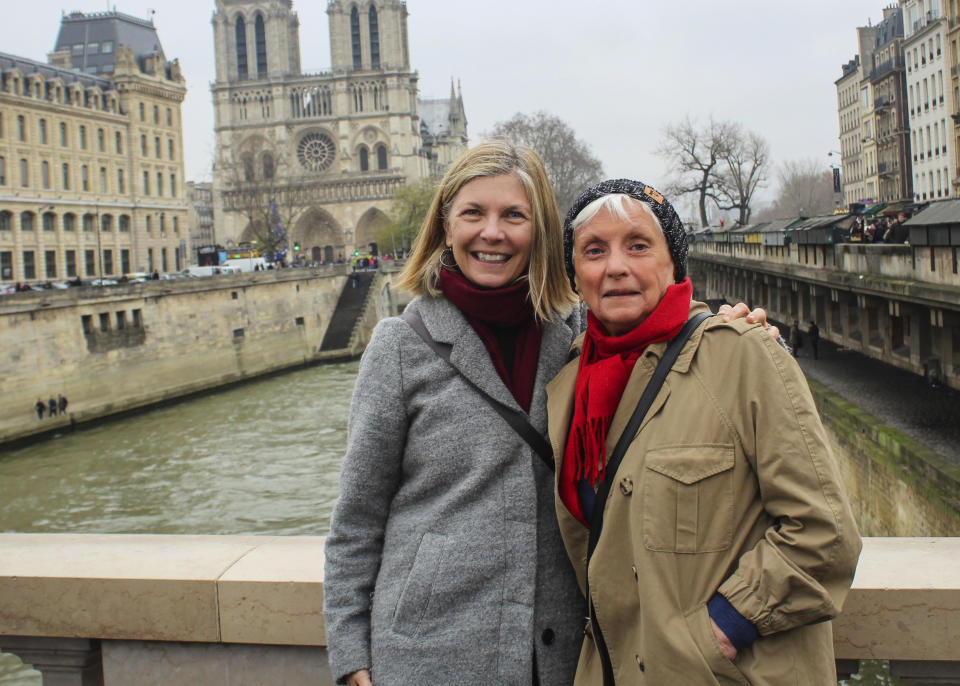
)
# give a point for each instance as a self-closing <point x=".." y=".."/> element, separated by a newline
<point x="900" y="399"/>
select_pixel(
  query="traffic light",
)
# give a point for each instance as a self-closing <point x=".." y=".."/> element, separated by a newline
<point x="296" y="247"/>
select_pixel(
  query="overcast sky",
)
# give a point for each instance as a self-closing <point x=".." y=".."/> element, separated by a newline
<point x="617" y="71"/>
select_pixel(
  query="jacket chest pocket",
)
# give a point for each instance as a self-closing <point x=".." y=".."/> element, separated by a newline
<point x="688" y="498"/>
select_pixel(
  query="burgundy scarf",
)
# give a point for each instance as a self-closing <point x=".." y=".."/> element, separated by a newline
<point x="605" y="366"/>
<point x="489" y="309"/>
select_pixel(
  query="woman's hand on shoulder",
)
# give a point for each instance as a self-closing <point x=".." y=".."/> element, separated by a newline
<point x="360" y="678"/>
<point x="742" y="311"/>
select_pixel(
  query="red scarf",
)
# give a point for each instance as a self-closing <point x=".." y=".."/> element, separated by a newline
<point x="605" y="366"/>
<point x="487" y="309"/>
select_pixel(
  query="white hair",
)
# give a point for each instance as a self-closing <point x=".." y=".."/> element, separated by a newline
<point x="616" y="205"/>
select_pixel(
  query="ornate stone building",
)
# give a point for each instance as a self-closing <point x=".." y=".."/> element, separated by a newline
<point x="91" y="155"/>
<point x="320" y="153"/>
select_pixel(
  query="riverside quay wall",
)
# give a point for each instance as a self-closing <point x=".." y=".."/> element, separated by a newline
<point x="110" y="350"/>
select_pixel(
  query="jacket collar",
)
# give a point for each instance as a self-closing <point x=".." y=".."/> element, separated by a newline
<point x="447" y="325"/>
<point x="560" y="391"/>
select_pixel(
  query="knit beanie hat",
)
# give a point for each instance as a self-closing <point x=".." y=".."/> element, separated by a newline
<point x="673" y="228"/>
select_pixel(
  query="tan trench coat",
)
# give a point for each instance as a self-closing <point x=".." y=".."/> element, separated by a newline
<point x="729" y="486"/>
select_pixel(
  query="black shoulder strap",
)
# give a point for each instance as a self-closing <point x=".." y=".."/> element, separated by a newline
<point x="517" y="421"/>
<point x="626" y="438"/>
<point x="629" y="433"/>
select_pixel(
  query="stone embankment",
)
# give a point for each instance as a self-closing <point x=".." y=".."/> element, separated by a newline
<point x="115" y="349"/>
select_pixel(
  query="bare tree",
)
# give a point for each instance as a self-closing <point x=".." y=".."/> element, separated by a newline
<point x="262" y="184"/>
<point x="745" y="170"/>
<point x="696" y="154"/>
<point x="410" y="206"/>
<point x="804" y="188"/>
<point x="569" y="162"/>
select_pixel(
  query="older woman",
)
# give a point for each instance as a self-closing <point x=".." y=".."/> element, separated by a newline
<point x="723" y="540"/>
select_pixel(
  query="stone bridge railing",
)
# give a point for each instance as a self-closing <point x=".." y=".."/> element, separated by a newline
<point x="92" y="610"/>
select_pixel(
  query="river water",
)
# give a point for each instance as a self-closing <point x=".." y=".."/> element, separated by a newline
<point x="259" y="458"/>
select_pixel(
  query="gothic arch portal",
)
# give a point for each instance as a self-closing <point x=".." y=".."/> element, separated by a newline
<point x="319" y="236"/>
<point x="370" y="223"/>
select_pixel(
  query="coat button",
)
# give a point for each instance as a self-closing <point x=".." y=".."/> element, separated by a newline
<point x="640" y="663"/>
<point x="547" y="636"/>
<point x="626" y="485"/>
<point x="636" y="576"/>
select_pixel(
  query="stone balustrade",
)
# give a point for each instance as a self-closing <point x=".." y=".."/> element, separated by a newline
<point x="93" y="610"/>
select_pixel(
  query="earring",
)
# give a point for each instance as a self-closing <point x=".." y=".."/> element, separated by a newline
<point x="448" y="251"/>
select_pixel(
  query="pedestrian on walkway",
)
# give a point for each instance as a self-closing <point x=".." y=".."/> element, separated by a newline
<point x="62" y="404"/>
<point x="795" y="341"/>
<point x="52" y="406"/>
<point x="40" y="407"/>
<point x="814" y="332"/>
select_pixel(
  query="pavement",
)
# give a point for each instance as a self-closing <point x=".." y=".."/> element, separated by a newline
<point x="898" y="398"/>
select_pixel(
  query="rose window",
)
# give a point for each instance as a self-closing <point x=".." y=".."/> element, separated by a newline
<point x="315" y="151"/>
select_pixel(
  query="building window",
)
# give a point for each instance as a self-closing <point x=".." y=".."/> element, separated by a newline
<point x="106" y="47"/>
<point x="169" y="117"/>
<point x="43" y="131"/>
<point x="106" y="222"/>
<point x="150" y="259"/>
<point x="241" y="37"/>
<point x="83" y="137"/>
<point x="88" y="220"/>
<point x="118" y="141"/>
<point x="21" y="128"/>
<point x="50" y="263"/>
<point x="45" y="174"/>
<point x="143" y="145"/>
<point x="100" y="143"/>
<point x="29" y="266"/>
<point x="24" y="174"/>
<point x="156" y="114"/>
<point x="261" y="38"/>
<point x="124" y="269"/>
<point x="170" y="148"/>
<point x="49" y="221"/>
<point x="90" y="262"/>
<point x="5" y="220"/>
<point x="176" y="225"/>
<point x="173" y="185"/>
<point x="355" y="37"/>
<point x="26" y="221"/>
<point x="6" y="265"/>
<point x="381" y="157"/>
<point x="3" y="171"/>
<point x="120" y="188"/>
<point x="124" y="223"/>
<point x="63" y="135"/>
<point x="147" y="224"/>
<point x="142" y="110"/>
<point x="156" y="146"/>
<point x="70" y="257"/>
<point x="374" y="39"/>
<point x="159" y="183"/>
<point x="103" y="179"/>
<point x="66" y="176"/>
<point x="104" y="321"/>
<point x="163" y="259"/>
<point x="84" y="178"/>
<point x="69" y="222"/>
<point x="107" y="261"/>
<point x="146" y="183"/>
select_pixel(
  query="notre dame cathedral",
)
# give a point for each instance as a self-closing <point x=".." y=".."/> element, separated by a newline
<point x="324" y="151"/>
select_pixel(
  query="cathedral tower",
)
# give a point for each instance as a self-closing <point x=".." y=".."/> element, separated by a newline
<point x="368" y="36"/>
<point x="256" y="40"/>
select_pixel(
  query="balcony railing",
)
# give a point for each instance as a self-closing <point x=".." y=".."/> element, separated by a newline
<point x="176" y="609"/>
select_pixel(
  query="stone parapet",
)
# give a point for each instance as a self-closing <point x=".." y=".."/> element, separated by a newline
<point x="198" y="609"/>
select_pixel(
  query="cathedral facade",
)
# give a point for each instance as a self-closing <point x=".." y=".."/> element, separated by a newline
<point x="320" y="155"/>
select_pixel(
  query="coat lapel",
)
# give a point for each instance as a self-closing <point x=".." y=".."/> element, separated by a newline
<point x="468" y="355"/>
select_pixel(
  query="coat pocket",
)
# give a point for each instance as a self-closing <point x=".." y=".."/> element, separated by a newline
<point x="688" y="498"/>
<point x="725" y="672"/>
<point x="418" y="589"/>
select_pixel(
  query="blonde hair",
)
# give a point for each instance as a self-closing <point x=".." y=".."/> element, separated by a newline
<point x="550" y="291"/>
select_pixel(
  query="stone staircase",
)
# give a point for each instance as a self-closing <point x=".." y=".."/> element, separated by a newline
<point x="349" y="309"/>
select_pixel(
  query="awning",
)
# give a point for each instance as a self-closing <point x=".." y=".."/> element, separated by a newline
<point x="874" y="210"/>
<point x="896" y="208"/>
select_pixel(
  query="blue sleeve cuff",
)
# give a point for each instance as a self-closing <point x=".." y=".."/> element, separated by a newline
<point x="740" y="632"/>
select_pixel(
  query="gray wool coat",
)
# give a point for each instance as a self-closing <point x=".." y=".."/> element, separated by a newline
<point x="444" y="562"/>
